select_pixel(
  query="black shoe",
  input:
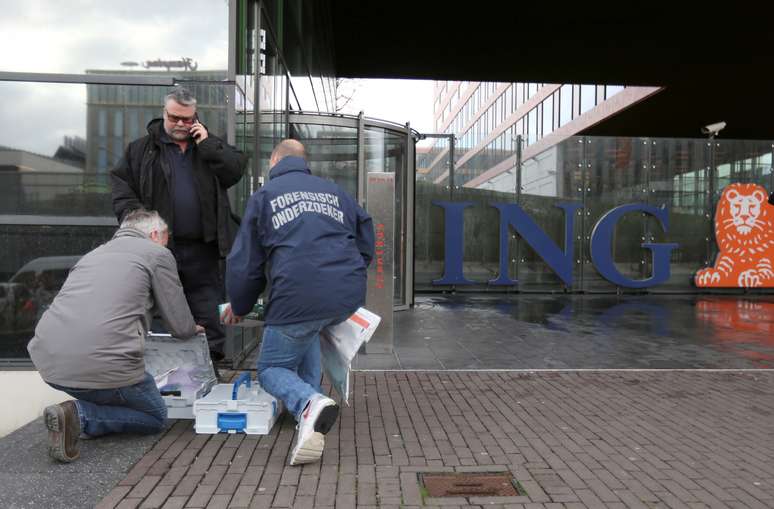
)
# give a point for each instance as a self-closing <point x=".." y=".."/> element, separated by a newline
<point x="216" y="356"/>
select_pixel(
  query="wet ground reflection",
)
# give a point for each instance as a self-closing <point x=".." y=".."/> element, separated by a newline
<point x="586" y="331"/>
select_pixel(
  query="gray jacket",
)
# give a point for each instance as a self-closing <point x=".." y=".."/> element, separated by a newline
<point x="93" y="335"/>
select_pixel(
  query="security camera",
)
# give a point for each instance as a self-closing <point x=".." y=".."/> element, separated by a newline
<point x="713" y="129"/>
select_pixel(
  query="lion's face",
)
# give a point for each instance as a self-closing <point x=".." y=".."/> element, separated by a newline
<point x="742" y="210"/>
<point x="744" y="231"/>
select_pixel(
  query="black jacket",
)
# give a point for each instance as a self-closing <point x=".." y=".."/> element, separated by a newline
<point x="142" y="179"/>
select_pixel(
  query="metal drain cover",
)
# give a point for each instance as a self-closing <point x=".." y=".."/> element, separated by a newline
<point x="469" y="485"/>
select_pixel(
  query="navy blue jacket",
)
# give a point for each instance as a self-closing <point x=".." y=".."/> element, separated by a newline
<point x="316" y="240"/>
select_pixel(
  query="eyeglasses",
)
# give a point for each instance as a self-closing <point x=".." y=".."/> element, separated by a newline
<point x="175" y="119"/>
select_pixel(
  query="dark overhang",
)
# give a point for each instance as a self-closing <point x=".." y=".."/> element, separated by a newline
<point x="714" y="64"/>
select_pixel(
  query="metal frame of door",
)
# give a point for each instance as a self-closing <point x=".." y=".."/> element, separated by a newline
<point x="405" y="174"/>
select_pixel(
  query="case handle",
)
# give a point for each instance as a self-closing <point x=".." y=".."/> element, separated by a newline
<point x="244" y="378"/>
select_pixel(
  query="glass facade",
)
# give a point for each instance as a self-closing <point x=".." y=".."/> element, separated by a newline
<point x="251" y="85"/>
<point x="386" y="151"/>
<point x="683" y="176"/>
<point x="332" y="150"/>
<point x="284" y="63"/>
<point x="498" y="143"/>
<point x="98" y="94"/>
<point x="56" y="206"/>
<point x="486" y="118"/>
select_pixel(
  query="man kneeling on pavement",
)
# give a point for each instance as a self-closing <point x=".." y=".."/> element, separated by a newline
<point x="312" y="242"/>
<point x="89" y="343"/>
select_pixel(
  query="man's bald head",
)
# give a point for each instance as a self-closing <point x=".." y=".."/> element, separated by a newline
<point x="287" y="148"/>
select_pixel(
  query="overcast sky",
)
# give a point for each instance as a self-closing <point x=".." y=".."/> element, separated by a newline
<point x="399" y="101"/>
<point x="79" y="35"/>
<point x="74" y="35"/>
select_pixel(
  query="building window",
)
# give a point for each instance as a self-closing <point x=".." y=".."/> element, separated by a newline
<point x="102" y="159"/>
<point x="102" y="122"/>
<point x="531" y="90"/>
<point x="134" y="124"/>
<point x="532" y="127"/>
<point x="588" y="97"/>
<point x="118" y="123"/>
<point x="611" y="90"/>
<point x="548" y="115"/>
<point x="539" y="119"/>
<point x="118" y="148"/>
<point x="565" y="104"/>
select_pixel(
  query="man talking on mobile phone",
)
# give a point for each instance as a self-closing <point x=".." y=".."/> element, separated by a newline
<point x="182" y="171"/>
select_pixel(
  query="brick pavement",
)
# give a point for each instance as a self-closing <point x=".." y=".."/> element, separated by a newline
<point x="571" y="439"/>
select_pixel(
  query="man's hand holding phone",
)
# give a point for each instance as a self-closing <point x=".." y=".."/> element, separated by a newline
<point x="198" y="131"/>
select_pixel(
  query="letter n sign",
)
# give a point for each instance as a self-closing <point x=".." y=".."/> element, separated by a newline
<point x="559" y="260"/>
<point x="514" y="216"/>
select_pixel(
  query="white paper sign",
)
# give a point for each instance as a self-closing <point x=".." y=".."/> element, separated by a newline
<point x="340" y="343"/>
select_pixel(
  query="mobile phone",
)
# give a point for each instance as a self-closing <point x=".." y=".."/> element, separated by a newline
<point x="196" y="120"/>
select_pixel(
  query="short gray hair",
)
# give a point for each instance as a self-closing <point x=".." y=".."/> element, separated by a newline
<point x="146" y="221"/>
<point x="180" y="95"/>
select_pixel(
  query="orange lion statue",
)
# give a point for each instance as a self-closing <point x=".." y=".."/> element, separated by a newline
<point x="745" y="235"/>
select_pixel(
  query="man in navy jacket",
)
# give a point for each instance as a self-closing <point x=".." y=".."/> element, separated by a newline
<point x="313" y="243"/>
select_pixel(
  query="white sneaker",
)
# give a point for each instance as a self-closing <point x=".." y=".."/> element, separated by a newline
<point x="317" y="419"/>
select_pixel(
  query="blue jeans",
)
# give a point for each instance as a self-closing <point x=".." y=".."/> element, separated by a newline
<point x="289" y="365"/>
<point x="136" y="408"/>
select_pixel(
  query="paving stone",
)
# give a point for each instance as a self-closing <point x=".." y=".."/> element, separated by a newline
<point x="157" y="497"/>
<point x="144" y="487"/>
<point x="201" y="496"/>
<point x="577" y="439"/>
<point x="113" y="498"/>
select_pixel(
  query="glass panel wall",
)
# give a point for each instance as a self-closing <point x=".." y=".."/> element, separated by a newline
<point x="679" y="179"/>
<point x="593" y="176"/>
<point x="63" y="169"/>
<point x="36" y="260"/>
<point x="272" y="103"/>
<point x="55" y="202"/>
<point x="332" y="151"/>
<point x="548" y="180"/>
<point x="615" y="173"/>
<point x="55" y="194"/>
<point x="386" y="152"/>
<point x="432" y="167"/>
<point x="334" y="146"/>
<point x="59" y="141"/>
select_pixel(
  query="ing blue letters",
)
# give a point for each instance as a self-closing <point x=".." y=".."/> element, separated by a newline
<point x="559" y="259"/>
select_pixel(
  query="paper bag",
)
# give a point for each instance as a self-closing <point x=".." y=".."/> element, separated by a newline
<point x="340" y="343"/>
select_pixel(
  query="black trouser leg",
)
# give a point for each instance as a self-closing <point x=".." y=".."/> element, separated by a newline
<point x="199" y="267"/>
